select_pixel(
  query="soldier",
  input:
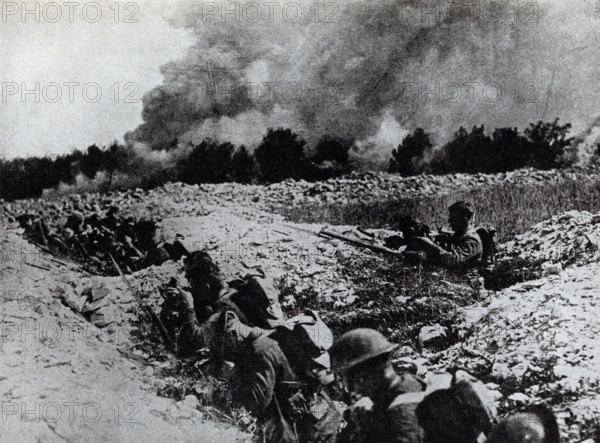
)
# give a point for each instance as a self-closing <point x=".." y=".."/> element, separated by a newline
<point x="207" y="329"/>
<point x="75" y="222"/>
<point x="265" y="381"/>
<point x="460" y="251"/>
<point x="212" y="294"/>
<point x="207" y="287"/>
<point x="362" y="359"/>
<point x="111" y="221"/>
<point x="536" y="425"/>
<point x="26" y="222"/>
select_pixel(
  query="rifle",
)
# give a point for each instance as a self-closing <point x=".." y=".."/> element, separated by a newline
<point x="329" y="234"/>
<point x="60" y="262"/>
<point x="144" y="306"/>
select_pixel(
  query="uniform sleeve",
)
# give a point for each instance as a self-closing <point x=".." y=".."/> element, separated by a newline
<point x="249" y="333"/>
<point x="404" y="425"/>
<point x="259" y="387"/>
<point x="461" y="252"/>
<point x="195" y="334"/>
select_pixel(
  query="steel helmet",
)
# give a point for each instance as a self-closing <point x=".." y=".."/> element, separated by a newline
<point x="536" y="425"/>
<point x="358" y="346"/>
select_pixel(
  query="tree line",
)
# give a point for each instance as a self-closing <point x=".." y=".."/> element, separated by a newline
<point x="542" y="145"/>
<point x="283" y="154"/>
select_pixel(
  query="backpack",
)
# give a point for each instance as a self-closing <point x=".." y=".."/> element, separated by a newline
<point x="488" y="241"/>
<point x="258" y="299"/>
<point x="460" y="412"/>
<point x="305" y="340"/>
<point x="475" y="399"/>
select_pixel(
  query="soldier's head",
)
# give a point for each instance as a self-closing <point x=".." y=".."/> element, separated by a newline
<point x="361" y="359"/>
<point x="460" y="215"/>
<point x="147" y="234"/>
<point x="204" y="276"/>
<point x="536" y="425"/>
<point x="25" y="220"/>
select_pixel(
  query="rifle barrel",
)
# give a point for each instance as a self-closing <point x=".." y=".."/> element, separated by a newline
<point x="357" y="242"/>
<point x="146" y="307"/>
<point x="329" y="234"/>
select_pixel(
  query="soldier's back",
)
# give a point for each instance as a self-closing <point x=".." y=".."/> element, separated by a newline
<point x="393" y="418"/>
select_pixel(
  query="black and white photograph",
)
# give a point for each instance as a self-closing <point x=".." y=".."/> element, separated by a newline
<point x="292" y="221"/>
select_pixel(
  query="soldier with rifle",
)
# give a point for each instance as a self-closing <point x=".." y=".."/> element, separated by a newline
<point x="211" y="294"/>
<point x="466" y="250"/>
<point x="460" y="251"/>
<point x="276" y="386"/>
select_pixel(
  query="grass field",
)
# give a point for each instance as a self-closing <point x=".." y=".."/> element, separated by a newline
<point x="509" y="207"/>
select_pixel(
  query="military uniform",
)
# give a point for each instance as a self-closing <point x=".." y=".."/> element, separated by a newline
<point x="211" y="332"/>
<point x="204" y="309"/>
<point x="461" y="252"/>
<point x="263" y="380"/>
<point x="463" y="255"/>
<point x="263" y="375"/>
<point x="393" y="417"/>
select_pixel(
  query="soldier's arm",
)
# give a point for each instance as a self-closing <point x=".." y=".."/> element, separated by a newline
<point x="460" y="252"/>
<point x="424" y="244"/>
<point x="259" y="387"/>
<point x="194" y="333"/>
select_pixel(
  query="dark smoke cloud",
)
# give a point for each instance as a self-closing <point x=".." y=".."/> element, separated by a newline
<point x="376" y="70"/>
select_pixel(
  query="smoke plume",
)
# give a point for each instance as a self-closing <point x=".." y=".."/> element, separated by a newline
<point x="373" y="71"/>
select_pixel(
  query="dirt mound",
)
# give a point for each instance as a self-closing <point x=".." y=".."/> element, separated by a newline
<point x="360" y="187"/>
<point x="565" y="239"/>
<point x="355" y="187"/>
<point x="64" y="379"/>
<point x="537" y="342"/>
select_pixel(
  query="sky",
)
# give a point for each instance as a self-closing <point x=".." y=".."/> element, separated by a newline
<point x="75" y="79"/>
<point x="75" y="74"/>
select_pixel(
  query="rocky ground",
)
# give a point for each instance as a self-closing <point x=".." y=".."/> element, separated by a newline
<point x="64" y="379"/>
<point x="77" y="362"/>
<point x="538" y="339"/>
<point x="355" y="187"/>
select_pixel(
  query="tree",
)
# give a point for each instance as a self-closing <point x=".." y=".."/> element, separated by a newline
<point x="243" y="166"/>
<point x="92" y="161"/>
<point x="116" y="159"/>
<point x="510" y="150"/>
<point x="407" y="159"/>
<point x="208" y="162"/>
<point x="332" y="148"/>
<point x="547" y="144"/>
<point x="63" y="168"/>
<point x="468" y="152"/>
<point x="281" y="155"/>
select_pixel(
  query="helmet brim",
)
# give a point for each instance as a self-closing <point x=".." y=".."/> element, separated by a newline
<point x="368" y="357"/>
